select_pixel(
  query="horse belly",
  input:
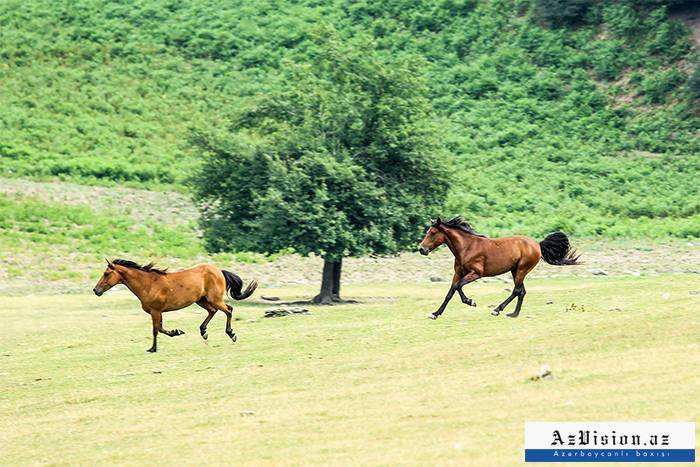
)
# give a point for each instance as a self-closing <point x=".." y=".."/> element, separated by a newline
<point x="500" y="261"/>
<point x="183" y="293"/>
<point x="495" y="268"/>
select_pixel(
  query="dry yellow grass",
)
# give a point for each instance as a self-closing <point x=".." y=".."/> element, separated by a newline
<point x="372" y="383"/>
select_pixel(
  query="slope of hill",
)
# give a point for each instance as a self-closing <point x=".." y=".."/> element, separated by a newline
<point x="589" y="127"/>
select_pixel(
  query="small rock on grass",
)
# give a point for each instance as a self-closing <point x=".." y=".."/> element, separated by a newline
<point x="270" y="299"/>
<point x="544" y="373"/>
<point x="285" y="310"/>
<point x="437" y="279"/>
<point x="247" y="413"/>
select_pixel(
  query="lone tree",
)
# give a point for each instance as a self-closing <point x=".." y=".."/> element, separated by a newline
<point x="341" y="159"/>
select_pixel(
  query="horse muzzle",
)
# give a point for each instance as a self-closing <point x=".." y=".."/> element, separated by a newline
<point x="423" y="251"/>
<point x="97" y="291"/>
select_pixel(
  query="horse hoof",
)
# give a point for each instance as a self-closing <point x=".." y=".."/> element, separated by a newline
<point x="433" y="316"/>
<point x="234" y="338"/>
<point x="495" y="312"/>
<point x="472" y="303"/>
<point x="152" y="350"/>
<point x="179" y="332"/>
<point x="205" y="335"/>
<point x="512" y="315"/>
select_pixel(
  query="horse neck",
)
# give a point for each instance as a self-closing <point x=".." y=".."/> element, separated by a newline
<point x="137" y="281"/>
<point x="457" y="241"/>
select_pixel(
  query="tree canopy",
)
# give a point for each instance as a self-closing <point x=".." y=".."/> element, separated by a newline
<point x="342" y="157"/>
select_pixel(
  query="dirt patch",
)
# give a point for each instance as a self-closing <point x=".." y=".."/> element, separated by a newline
<point x="600" y="259"/>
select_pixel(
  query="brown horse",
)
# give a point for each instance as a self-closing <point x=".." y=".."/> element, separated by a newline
<point x="477" y="256"/>
<point x="160" y="291"/>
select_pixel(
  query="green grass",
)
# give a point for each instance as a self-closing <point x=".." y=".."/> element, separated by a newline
<point x="89" y="230"/>
<point x="28" y="221"/>
<point x="375" y="382"/>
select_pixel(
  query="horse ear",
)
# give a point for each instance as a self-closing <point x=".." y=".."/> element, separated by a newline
<point x="438" y="221"/>
<point x="110" y="265"/>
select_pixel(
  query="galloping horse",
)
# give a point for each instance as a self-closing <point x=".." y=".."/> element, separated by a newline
<point x="160" y="291"/>
<point x="477" y="256"/>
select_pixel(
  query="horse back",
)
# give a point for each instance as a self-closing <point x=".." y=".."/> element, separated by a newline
<point x="201" y="275"/>
<point x="505" y="253"/>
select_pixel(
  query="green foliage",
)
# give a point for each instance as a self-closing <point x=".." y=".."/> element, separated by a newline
<point x="657" y="86"/>
<point x="341" y="159"/>
<point x="29" y="221"/>
<point x="107" y="92"/>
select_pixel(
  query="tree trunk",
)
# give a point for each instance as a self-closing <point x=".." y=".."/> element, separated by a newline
<point x="336" y="279"/>
<point x="330" y="283"/>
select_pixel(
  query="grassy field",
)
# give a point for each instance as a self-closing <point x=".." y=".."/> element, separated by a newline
<point x="376" y="382"/>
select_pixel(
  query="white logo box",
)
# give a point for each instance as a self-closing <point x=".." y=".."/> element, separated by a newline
<point x="610" y="442"/>
<point x="540" y="435"/>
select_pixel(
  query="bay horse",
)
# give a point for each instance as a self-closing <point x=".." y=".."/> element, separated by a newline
<point x="477" y="256"/>
<point x="160" y="291"/>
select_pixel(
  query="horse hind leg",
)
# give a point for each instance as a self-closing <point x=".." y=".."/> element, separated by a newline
<point x="497" y="311"/>
<point x="229" y="329"/>
<point x="521" y="295"/>
<point x="211" y="310"/>
<point x="519" y="289"/>
<point x="228" y="310"/>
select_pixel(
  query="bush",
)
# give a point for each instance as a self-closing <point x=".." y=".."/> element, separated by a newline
<point x="657" y="86"/>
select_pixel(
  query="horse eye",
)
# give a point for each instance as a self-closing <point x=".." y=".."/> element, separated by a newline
<point x="432" y="234"/>
<point x="107" y="273"/>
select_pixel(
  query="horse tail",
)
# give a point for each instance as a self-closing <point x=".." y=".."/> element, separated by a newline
<point x="557" y="251"/>
<point x="234" y="284"/>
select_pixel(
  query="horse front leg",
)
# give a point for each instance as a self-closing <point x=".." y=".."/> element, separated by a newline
<point x="457" y="286"/>
<point x="157" y="320"/>
<point x="466" y="300"/>
<point x="457" y="282"/>
<point x="442" y="307"/>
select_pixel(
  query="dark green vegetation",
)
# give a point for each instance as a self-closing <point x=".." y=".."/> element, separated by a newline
<point x="341" y="159"/>
<point x="583" y="123"/>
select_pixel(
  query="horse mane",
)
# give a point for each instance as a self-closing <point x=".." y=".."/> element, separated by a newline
<point x="458" y="223"/>
<point x="150" y="267"/>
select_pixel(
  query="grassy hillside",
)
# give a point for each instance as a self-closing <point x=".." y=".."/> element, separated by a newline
<point x="367" y="384"/>
<point x="590" y="127"/>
